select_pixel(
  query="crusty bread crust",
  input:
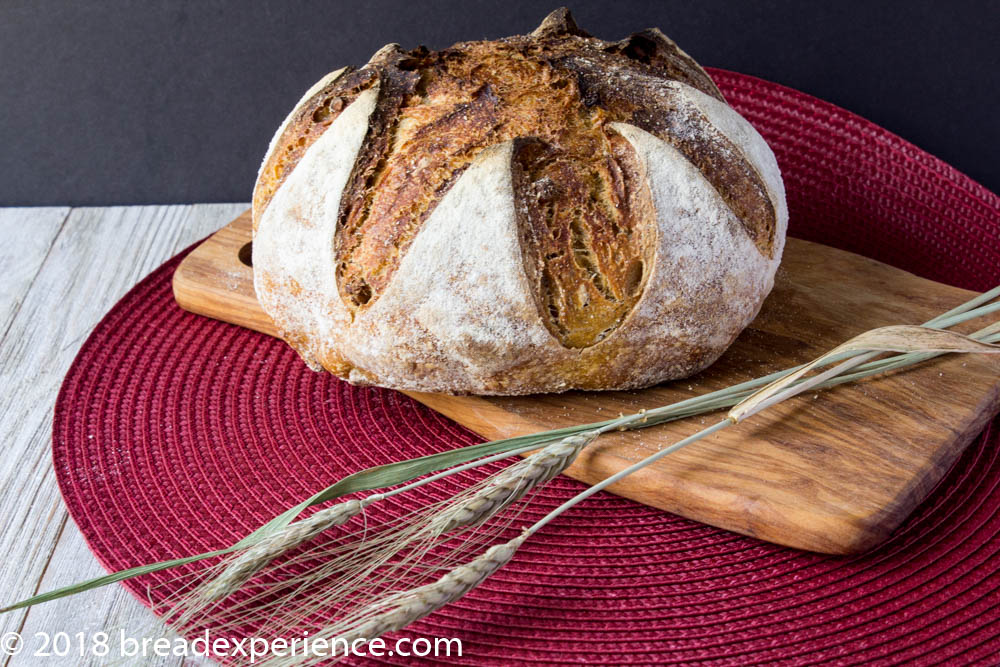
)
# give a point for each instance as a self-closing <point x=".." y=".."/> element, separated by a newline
<point x="535" y="214"/>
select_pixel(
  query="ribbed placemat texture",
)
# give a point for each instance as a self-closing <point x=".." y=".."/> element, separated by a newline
<point x="175" y="434"/>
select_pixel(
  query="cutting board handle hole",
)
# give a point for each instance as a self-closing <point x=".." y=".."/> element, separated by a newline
<point x="246" y="253"/>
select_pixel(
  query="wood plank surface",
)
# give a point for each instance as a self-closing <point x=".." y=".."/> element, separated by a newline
<point x="66" y="269"/>
<point x="28" y="234"/>
<point x="834" y="473"/>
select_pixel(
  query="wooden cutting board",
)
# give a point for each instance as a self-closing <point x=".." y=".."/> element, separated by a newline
<point x="834" y="472"/>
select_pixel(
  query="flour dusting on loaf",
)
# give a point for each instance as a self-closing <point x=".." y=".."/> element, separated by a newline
<point x="533" y="214"/>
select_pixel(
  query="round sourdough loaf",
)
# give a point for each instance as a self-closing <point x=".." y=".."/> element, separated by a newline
<point x="533" y="214"/>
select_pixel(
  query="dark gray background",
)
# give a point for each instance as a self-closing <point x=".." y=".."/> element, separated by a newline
<point x="161" y="102"/>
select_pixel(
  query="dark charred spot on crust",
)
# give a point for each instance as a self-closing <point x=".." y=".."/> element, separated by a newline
<point x="585" y="213"/>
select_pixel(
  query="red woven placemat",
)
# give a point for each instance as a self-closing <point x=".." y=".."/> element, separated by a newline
<point x="175" y="434"/>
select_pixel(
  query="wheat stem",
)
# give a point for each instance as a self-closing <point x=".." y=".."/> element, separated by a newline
<point x="974" y="302"/>
<point x="967" y="311"/>
<point x="618" y="476"/>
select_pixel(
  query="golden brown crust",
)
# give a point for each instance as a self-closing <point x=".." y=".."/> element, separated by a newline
<point x="645" y="218"/>
<point x="558" y="86"/>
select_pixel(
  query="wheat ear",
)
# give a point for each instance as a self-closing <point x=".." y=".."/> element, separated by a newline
<point x="412" y="605"/>
<point x="399" y="610"/>
<point x="254" y="559"/>
<point x="511" y="484"/>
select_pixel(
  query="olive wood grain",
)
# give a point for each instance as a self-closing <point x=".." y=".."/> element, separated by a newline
<point x="834" y="473"/>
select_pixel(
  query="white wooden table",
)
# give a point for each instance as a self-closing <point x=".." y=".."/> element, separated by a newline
<point x="61" y="269"/>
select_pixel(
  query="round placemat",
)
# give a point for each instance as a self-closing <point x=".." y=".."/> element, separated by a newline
<point x="175" y="434"/>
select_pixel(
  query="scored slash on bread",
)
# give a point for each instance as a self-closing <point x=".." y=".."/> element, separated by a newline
<point x="533" y="214"/>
